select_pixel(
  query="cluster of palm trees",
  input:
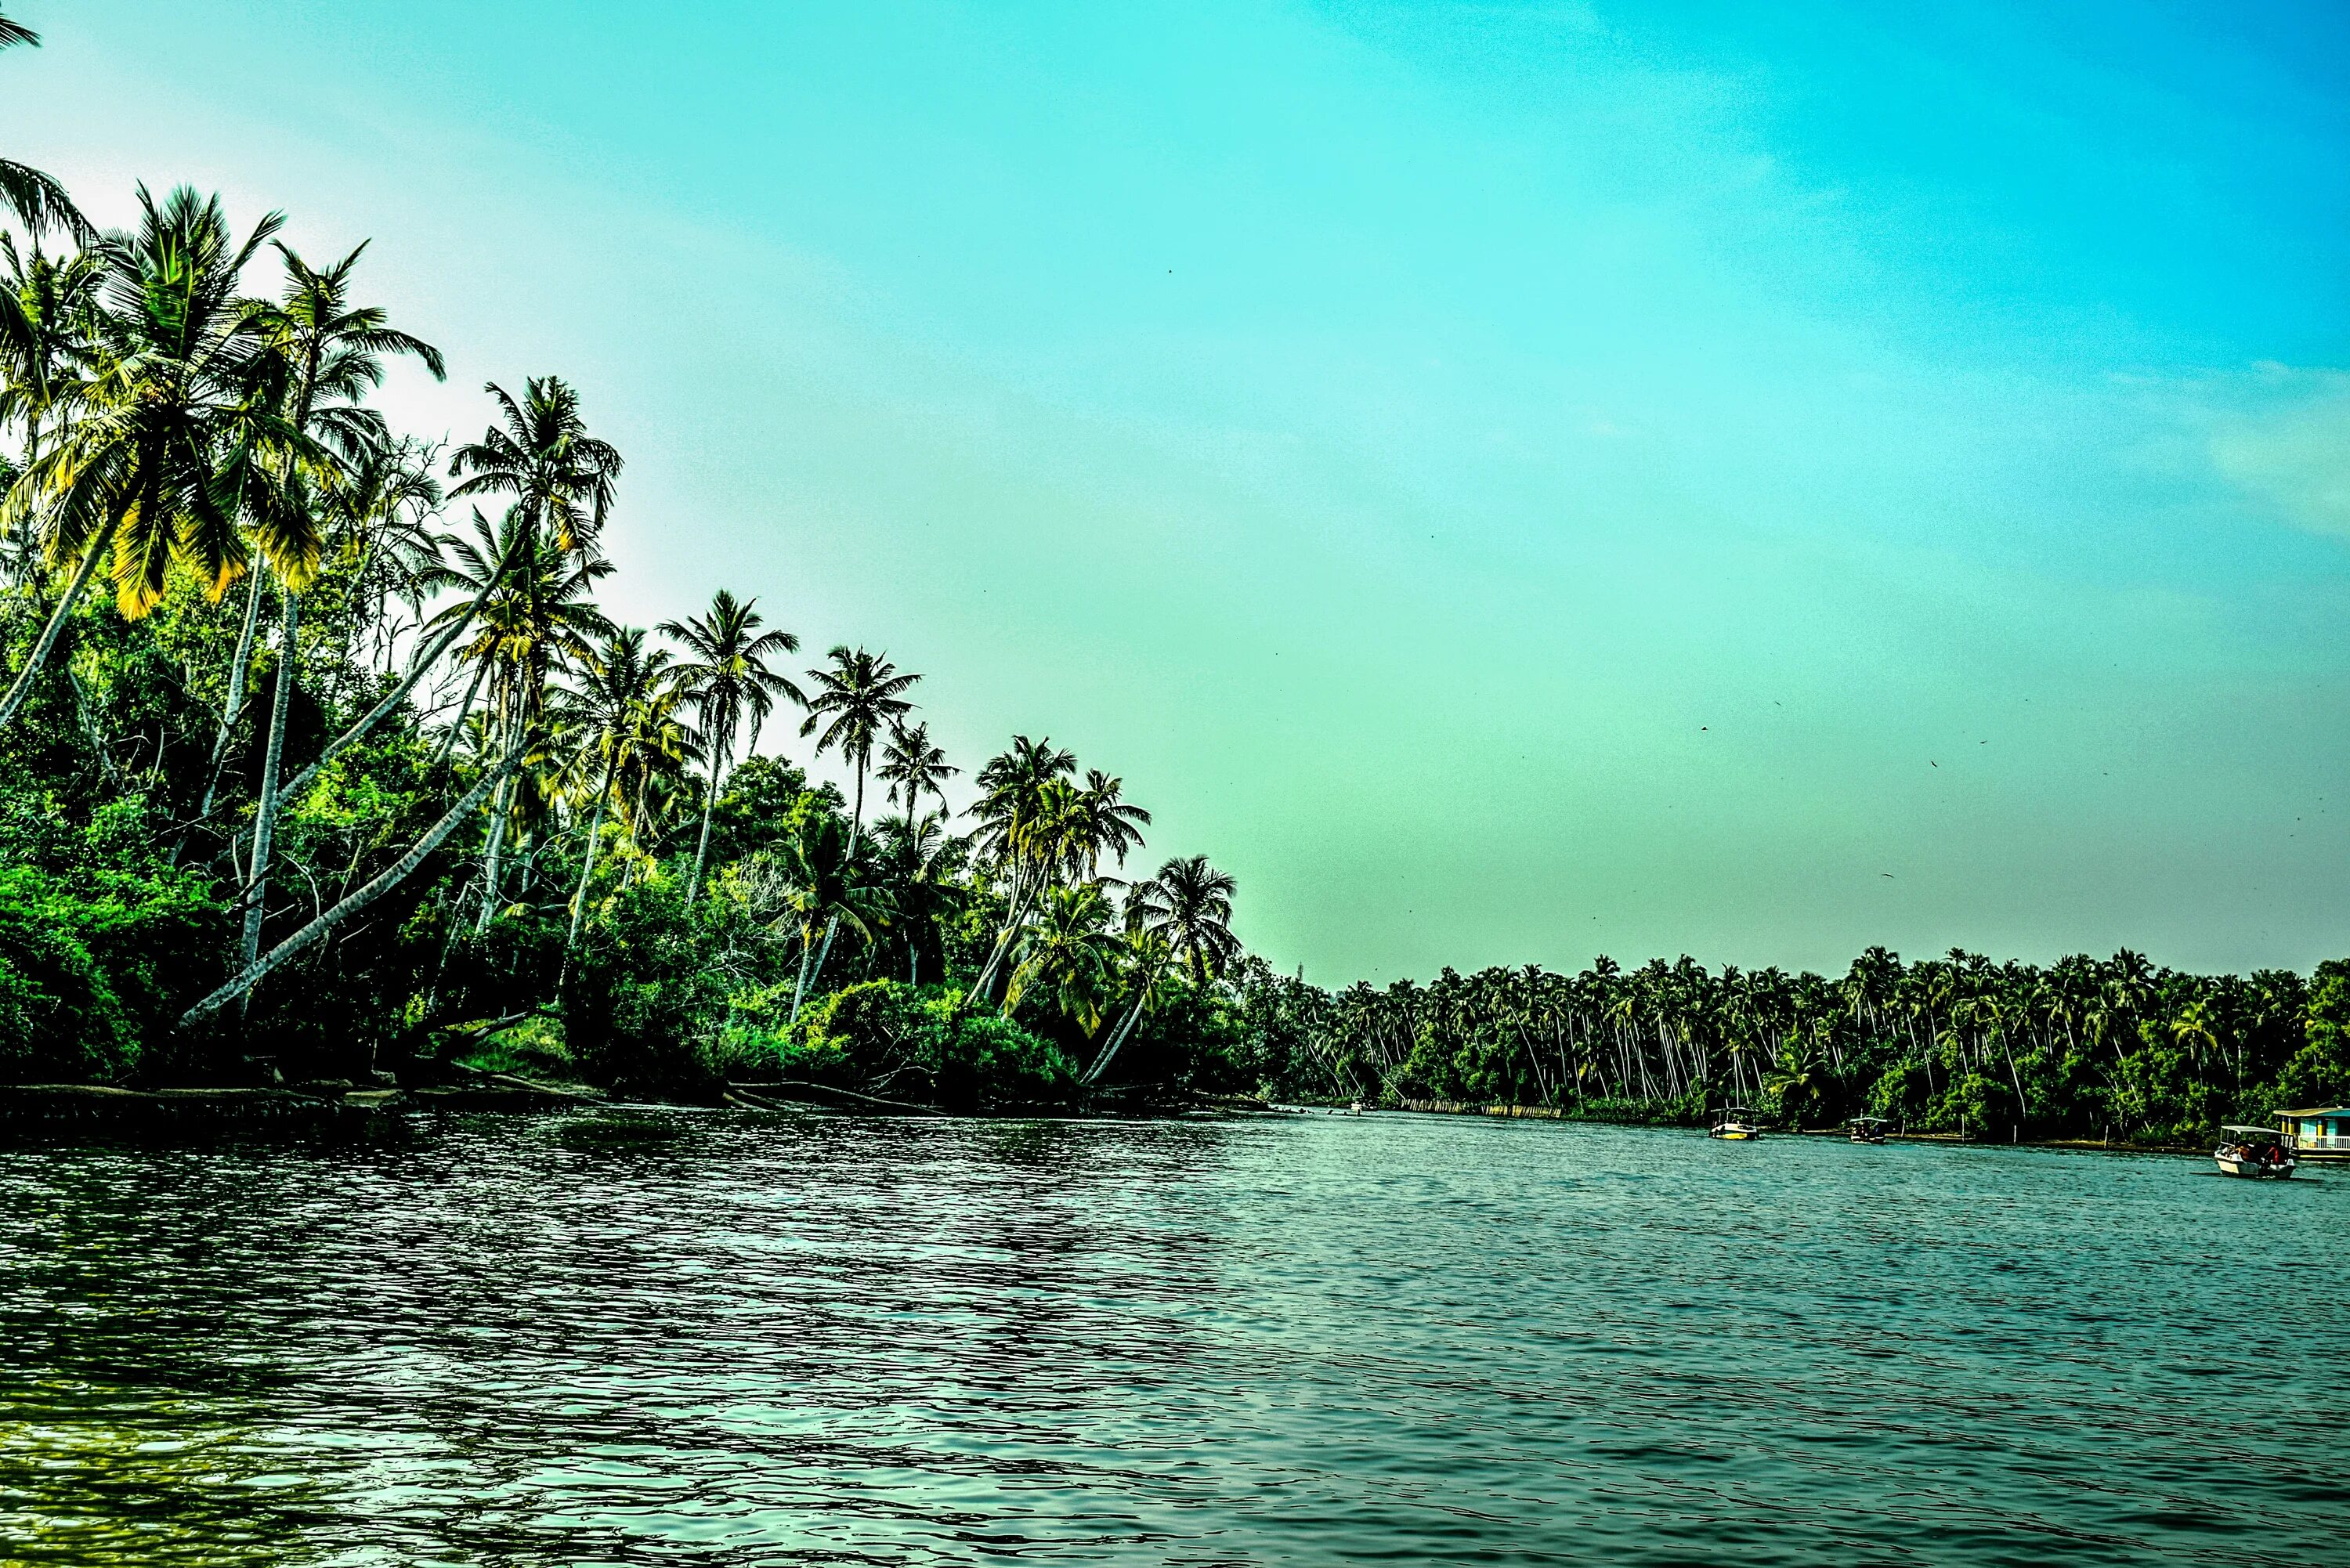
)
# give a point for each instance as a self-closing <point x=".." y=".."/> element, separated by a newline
<point x="266" y="534"/>
<point x="2086" y="1045"/>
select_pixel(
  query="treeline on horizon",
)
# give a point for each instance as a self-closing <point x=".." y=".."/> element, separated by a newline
<point x="2082" y="1047"/>
<point x="339" y="768"/>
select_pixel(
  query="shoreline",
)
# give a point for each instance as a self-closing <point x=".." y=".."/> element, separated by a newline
<point x="1555" y="1113"/>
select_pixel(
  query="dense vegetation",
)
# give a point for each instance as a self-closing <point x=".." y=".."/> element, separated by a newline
<point x="344" y="771"/>
<point x="351" y="773"/>
<point x="2081" y="1048"/>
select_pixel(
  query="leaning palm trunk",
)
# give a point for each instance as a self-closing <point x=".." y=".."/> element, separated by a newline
<point x="23" y="685"/>
<point x="383" y="882"/>
<point x="392" y="700"/>
<point x="800" y="992"/>
<point x="587" y="870"/>
<point x="1024" y="896"/>
<point x="1125" y="1028"/>
<point x="264" y="817"/>
<point x="498" y="811"/>
<point x="464" y="709"/>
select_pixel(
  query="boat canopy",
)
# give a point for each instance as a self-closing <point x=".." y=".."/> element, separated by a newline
<point x="1868" y="1122"/>
<point x="2261" y="1132"/>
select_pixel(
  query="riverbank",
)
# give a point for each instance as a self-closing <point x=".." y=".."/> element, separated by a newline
<point x="72" y="1110"/>
<point x="1557" y="1113"/>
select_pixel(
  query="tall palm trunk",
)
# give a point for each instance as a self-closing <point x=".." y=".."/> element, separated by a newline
<point x="234" y="700"/>
<point x="498" y="812"/>
<point x="701" y="849"/>
<point x="587" y="870"/>
<point x="23" y="685"/>
<point x="265" y="816"/>
<point x="856" y="821"/>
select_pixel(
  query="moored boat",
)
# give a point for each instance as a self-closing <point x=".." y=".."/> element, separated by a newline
<point x="2258" y="1154"/>
<point x="1868" y="1129"/>
<point x="1736" y="1122"/>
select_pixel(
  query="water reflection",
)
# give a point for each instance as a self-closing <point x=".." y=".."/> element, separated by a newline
<point x="651" y="1336"/>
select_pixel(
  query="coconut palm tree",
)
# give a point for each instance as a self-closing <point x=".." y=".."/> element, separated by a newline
<point x="855" y="700"/>
<point x="329" y="355"/>
<point x="727" y="677"/>
<point x="608" y="711"/>
<point x="828" y="887"/>
<point x="918" y="862"/>
<point x="532" y="613"/>
<point x="1070" y="954"/>
<point x="912" y="768"/>
<point x="1149" y="961"/>
<point x="540" y="454"/>
<point x="148" y="473"/>
<point x="1104" y="823"/>
<point x="1189" y="903"/>
<point x="1023" y="802"/>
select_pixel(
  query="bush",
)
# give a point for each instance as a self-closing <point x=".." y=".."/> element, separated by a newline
<point x="884" y="1037"/>
<point x="91" y="966"/>
<point x="646" y="1004"/>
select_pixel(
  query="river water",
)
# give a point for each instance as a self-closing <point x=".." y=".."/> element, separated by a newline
<point x="728" y="1338"/>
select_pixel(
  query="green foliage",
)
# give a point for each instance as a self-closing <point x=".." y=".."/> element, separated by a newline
<point x="887" y="1038"/>
<point x="92" y="966"/>
<point x="646" y="997"/>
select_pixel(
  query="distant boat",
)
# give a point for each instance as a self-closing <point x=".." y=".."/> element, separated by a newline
<point x="1735" y="1122"/>
<point x="1868" y="1129"/>
<point x="2257" y="1154"/>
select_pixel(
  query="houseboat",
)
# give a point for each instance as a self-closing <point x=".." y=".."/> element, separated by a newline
<point x="2321" y="1135"/>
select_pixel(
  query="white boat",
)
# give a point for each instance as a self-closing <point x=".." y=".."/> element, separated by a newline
<point x="2257" y="1154"/>
<point x="1737" y="1123"/>
<point x="1868" y="1129"/>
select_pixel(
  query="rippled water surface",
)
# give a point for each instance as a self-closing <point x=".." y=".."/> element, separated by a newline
<point x="725" y="1338"/>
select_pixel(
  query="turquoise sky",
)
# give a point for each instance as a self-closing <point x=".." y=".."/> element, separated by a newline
<point x="1508" y="482"/>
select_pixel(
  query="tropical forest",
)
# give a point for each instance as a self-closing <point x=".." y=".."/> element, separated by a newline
<point x="323" y="763"/>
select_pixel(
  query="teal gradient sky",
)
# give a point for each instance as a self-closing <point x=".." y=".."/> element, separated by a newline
<point x="1510" y="482"/>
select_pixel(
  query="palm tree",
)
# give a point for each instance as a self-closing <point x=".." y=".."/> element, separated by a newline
<point x="917" y="863"/>
<point x="36" y="199"/>
<point x="329" y="354"/>
<point x="1148" y="961"/>
<point x="148" y="473"/>
<point x="533" y="612"/>
<point x="912" y="768"/>
<point x="727" y="679"/>
<point x="1023" y="797"/>
<point x="610" y="711"/>
<point x="829" y="887"/>
<point x="1103" y="822"/>
<point x="46" y="321"/>
<point x="855" y="700"/>
<point x="560" y="477"/>
<point x="1071" y="953"/>
<point x="1189" y="903"/>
